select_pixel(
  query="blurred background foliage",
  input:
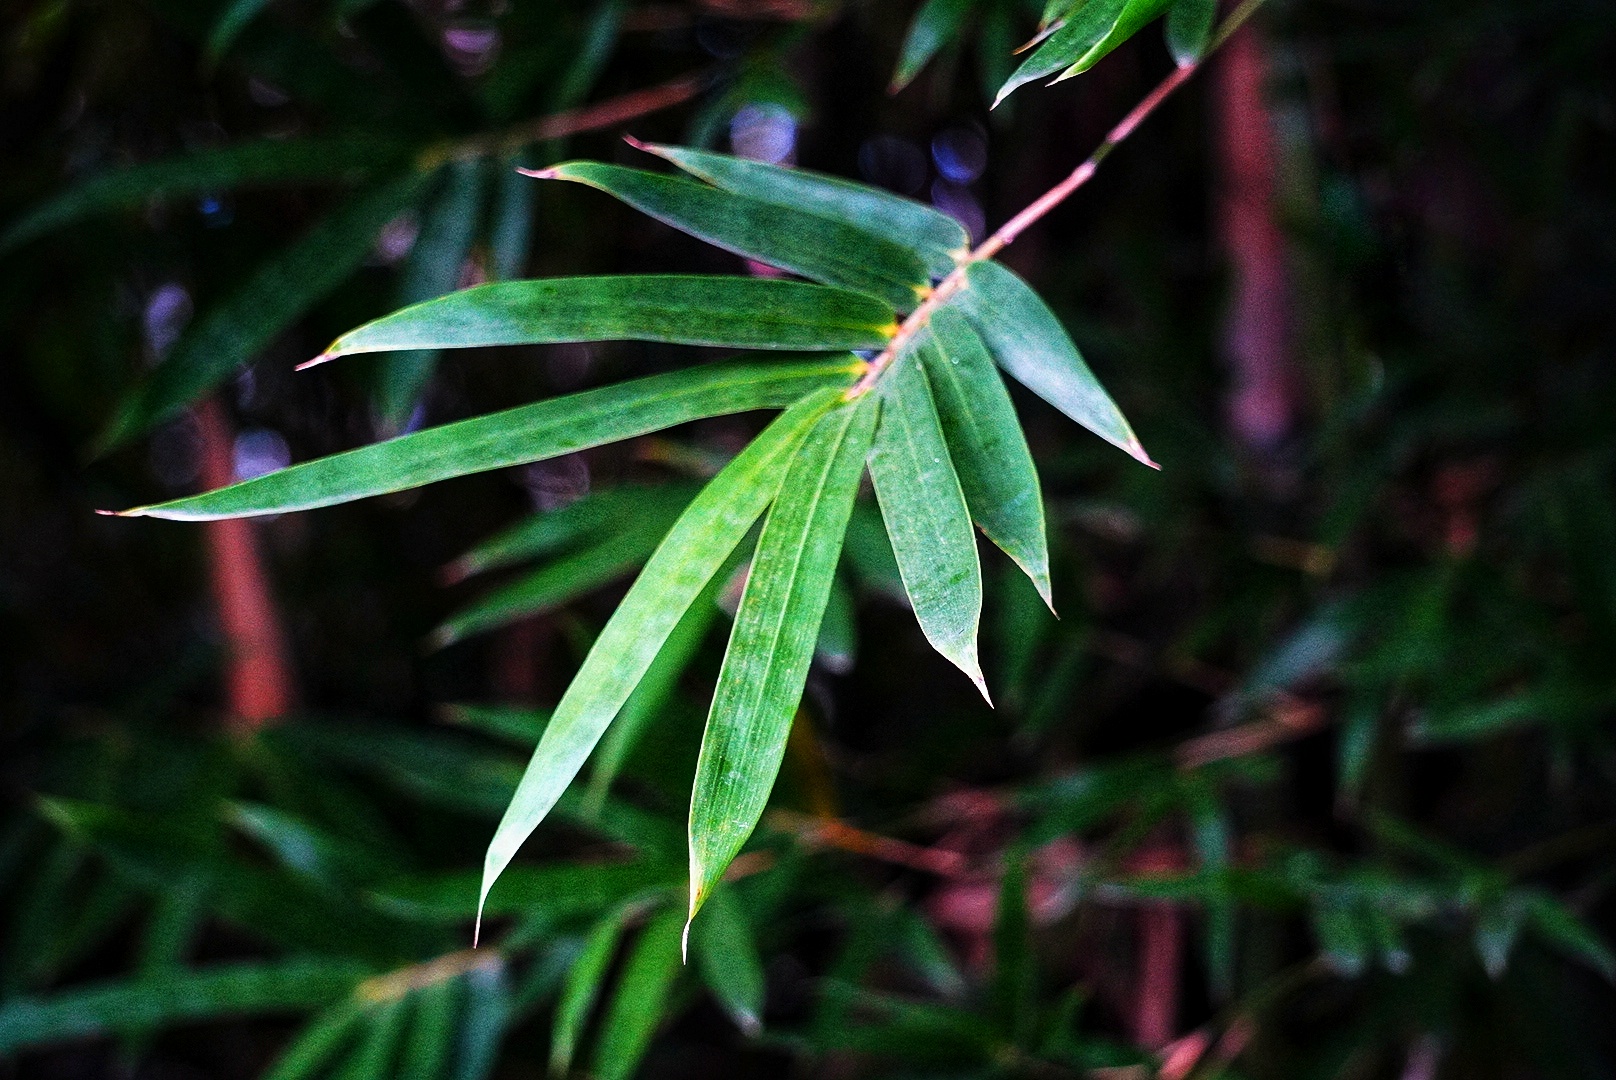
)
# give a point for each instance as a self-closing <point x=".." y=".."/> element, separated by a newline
<point x="1312" y="777"/>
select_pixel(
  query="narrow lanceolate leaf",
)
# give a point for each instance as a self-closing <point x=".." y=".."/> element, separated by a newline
<point x="372" y="1058"/>
<point x="925" y="514"/>
<point x="936" y="24"/>
<point x="1080" y="35"/>
<point x="698" y="545"/>
<point x="772" y="641"/>
<point x="1189" y="28"/>
<point x="985" y="441"/>
<point x="176" y="997"/>
<point x="727" y="956"/>
<point x="265" y="162"/>
<point x="517" y="436"/>
<point x="318" y="1043"/>
<point x="582" y="988"/>
<point x="432" y="1031"/>
<point x="641" y="999"/>
<point x="938" y="239"/>
<point x="820" y="248"/>
<point x="1135" y="15"/>
<point x="1029" y="342"/>
<point x="237" y="14"/>
<point x="729" y="312"/>
<point x="229" y="335"/>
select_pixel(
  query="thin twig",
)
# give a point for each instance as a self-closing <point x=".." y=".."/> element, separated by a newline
<point x="1007" y="233"/>
<point x="828" y="832"/>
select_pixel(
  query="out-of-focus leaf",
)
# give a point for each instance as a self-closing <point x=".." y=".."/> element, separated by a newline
<point x="727" y="957"/>
<point x="1498" y="928"/>
<point x="1214" y="841"/>
<point x="482" y="1021"/>
<point x="926" y="518"/>
<point x="772" y="641"/>
<point x="985" y="441"/>
<point x="685" y="309"/>
<point x="1557" y="926"/>
<point x="318" y="1043"/>
<point x="176" y="997"/>
<point x="642" y="993"/>
<point x="433" y="269"/>
<point x="838" y="630"/>
<point x="308" y="850"/>
<point x="869" y="553"/>
<point x="227" y="336"/>
<point x="429" y="1046"/>
<point x="517" y="436"/>
<point x="936" y="238"/>
<point x="699" y="544"/>
<point x="555" y="892"/>
<point x="510" y="226"/>
<point x="1014" y="970"/>
<point x="237" y="14"/>
<point x="373" y="1058"/>
<point x="263" y="162"/>
<point x="582" y="988"/>
<point x="936" y="24"/>
<point x="507" y="723"/>
<point x="819" y="248"/>
<point x="1340" y="930"/>
<point x="1189" y="28"/>
<point x="1029" y="342"/>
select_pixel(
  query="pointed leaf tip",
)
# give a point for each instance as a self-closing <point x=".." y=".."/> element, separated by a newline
<point x="317" y="361"/>
<point x="539" y="174"/>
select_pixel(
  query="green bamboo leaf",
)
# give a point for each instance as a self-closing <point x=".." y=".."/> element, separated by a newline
<point x="264" y="162"/>
<point x="1555" y="924"/>
<point x="581" y="989"/>
<point x="506" y="723"/>
<point x="552" y="892"/>
<point x="284" y="288"/>
<point x="430" y="1044"/>
<point x="837" y="646"/>
<point x="925" y="514"/>
<point x="989" y="451"/>
<point x="699" y="544"/>
<point x="820" y="248"/>
<point x="1029" y="342"/>
<point x="517" y="436"/>
<point x="1189" y="28"/>
<point x="936" y="24"/>
<point x="577" y="574"/>
<point x="727" y="957"/>
<point x="432" y="270"/>
<point x="641" y="998"/>
<point x="684" y="309"/>
<point x="176" y="997"/>
<point x="938" y="239"/>
<point x="1084" y="31"/>
<point x="510" y="225"/>
<point x="373" y="1058"/>
<point x="1134" y="18"/>
<point x="868" y="553"/>
<point x="237" y="14"/>
<point x="318" y="1043"/>
<point x="772" y="641"/>
<point x="482" y="1023"/>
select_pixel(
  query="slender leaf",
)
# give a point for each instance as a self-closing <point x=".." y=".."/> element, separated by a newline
<point x="581" y="989"/>
<point x="430" y="1043"/>
<point x="729" y="312"/>
<point x="263" y="162"/>
<point x="820" y="248"/>
<point x="1015" y="970"/>
<point x="510" y="226"/>
<point x="482" y="1023"/>
<point x="206" y="993"/>
<point x="282" y="290"/>
<point x="1134" y="17"/>
<point x="373" y="1058"/>
<point x="727" y="957"/>
<point x="318" y="1043"/>
<point x="1554" y="924"/>
<point x="642" y="993"/>
<point x="517" y="436"/>
<point x="237" y="14"/>
<point x="837" y="646"/>
<point x="985" y="441"/>
<point x="924" y="510"/>
<point x="772" y="641"/>
<point x="569" y="525"/>
<point x="1084" y="31"/>
<point x="510" y="724"/>
<point x="1189" y="28"/>
<point x="698" y="545"/>
<point x="936" y="238"/>
<point x="936" y="24"/>
<point x="1029" y="342"/>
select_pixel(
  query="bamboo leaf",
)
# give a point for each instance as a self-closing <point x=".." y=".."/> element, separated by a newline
<point x="1029" y="342"/>
<point x="772" y="641"/>
<point x="985" y="441"/>
<point x="237" y="14"/>
<point x="482" y="1023"/>
<point x="837" y="647"/>
<point x="698" y="545"/>
<point x="262" y="162"/>
<point x="430" y="1043"/>
<point x="373" y="1058"/>
<point x="641" y="998"/>
<point x="1134" y="17"/>
<point x="1189" y="28"/>
<point x="534" y="432"/>
<point x="727" y="957"/>
<point x="176" y="997"/>
<point x="318" y="1043"/>
<point x="936" y="24"/>
<point x="284" y="288"/>
<point x="936" y="238"/>
<point x="582" y="988"/>
<point x="1083" y="32"/>
<point x="820" y="248"/>
<point x="925" y="514"/>
<point x="728" y="312"/>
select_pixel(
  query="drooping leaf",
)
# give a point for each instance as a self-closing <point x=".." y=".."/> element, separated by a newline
<point x="926" y="518"/>
<point x="206" y="172"/>
<point x="985" y="441"/>
<point x="822" y="249"/>
<point x="727" y="957"/>
<point x="1189" y="28"/>
<point x="176" y="997"/>
<point x="517" y="436"/>
<point x="936" y="238"/>
<point x="1029" y="342"/>
<point x="728" y="312"/>
<point x="641" y="998"/>
<point x="581" y="989"/>
<point x="694" y="550"/>
<point x="227" y="336"/>
<point x="1080" y="37"/>
<point x="772" y="641"/>
<point x="935" y="25"/>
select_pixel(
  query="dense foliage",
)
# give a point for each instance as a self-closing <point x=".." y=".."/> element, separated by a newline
<point x="1310" y="777"/>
